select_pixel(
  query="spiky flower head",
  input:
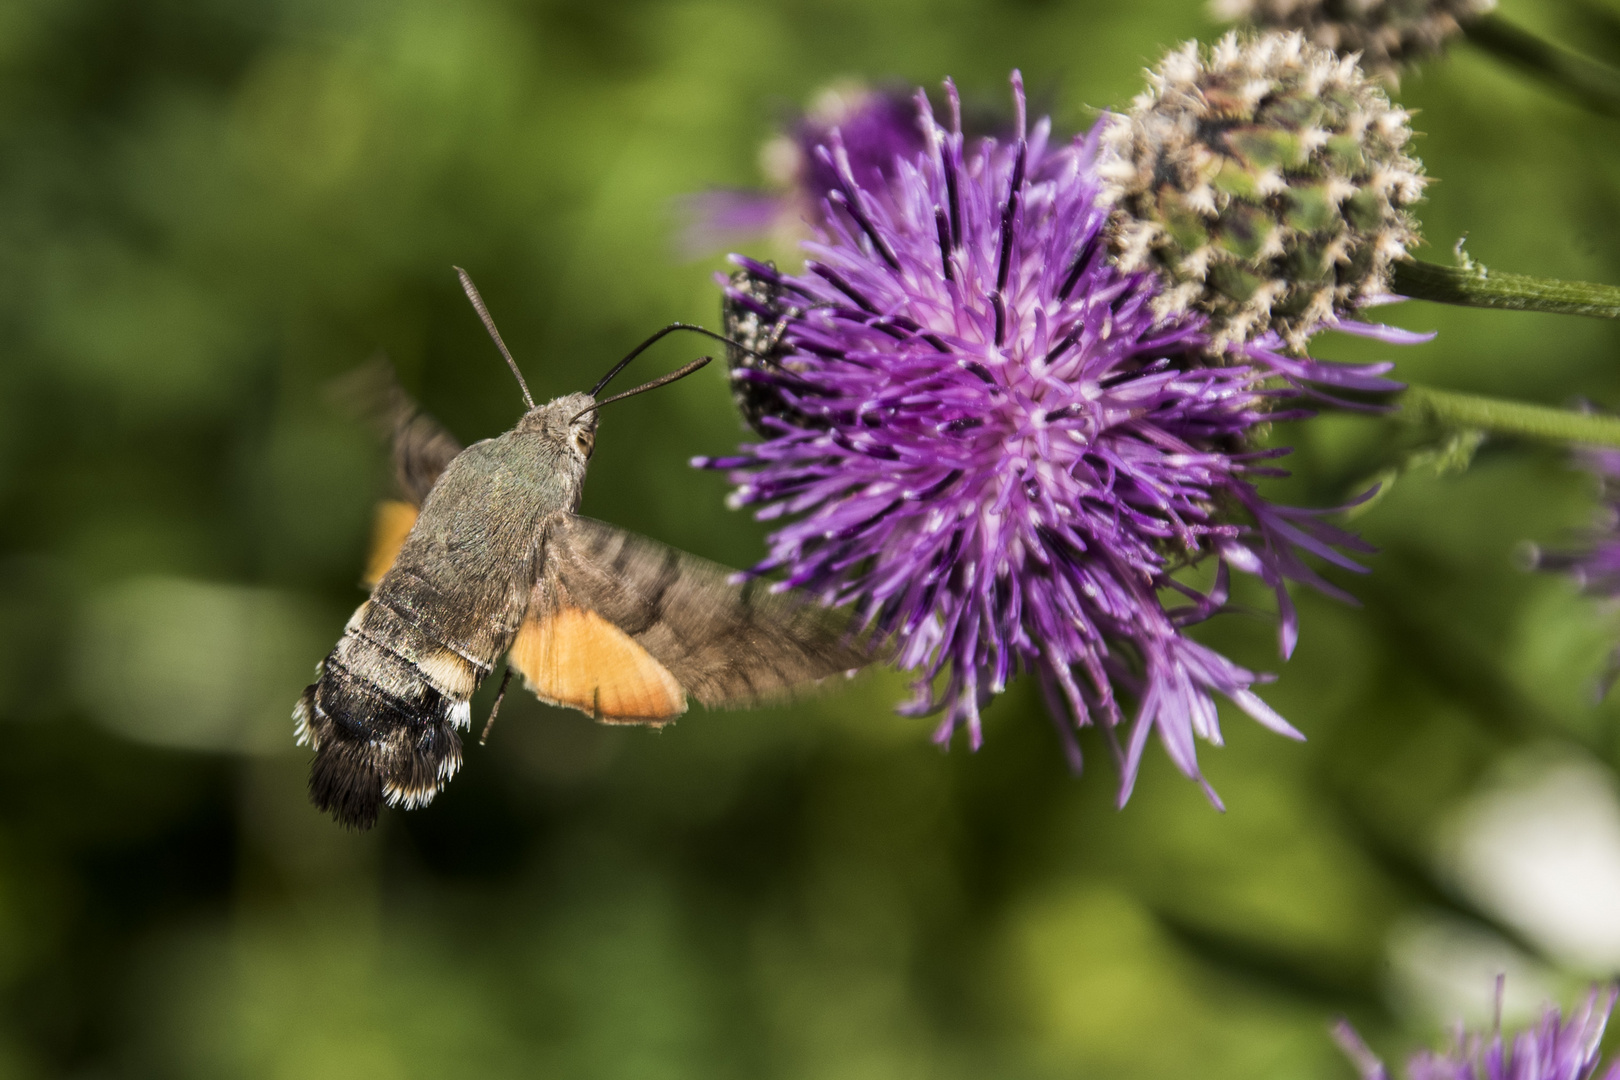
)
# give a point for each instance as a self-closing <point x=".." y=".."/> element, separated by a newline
<point x="1388" y="34"/>
<point x="1554" y="1049"/>
<point x="1266" y="180"/>
<point x="992" y="441"/>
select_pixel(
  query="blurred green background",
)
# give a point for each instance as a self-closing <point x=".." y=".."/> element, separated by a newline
<point x="211" y="208"/>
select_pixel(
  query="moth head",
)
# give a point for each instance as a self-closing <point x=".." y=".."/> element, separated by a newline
<point x="569" y="423"/>
<point x="578" y="432"/>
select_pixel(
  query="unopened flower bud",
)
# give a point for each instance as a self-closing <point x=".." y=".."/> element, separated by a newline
<point x="1388" y="34"/>
<point x="1267" y="181"/>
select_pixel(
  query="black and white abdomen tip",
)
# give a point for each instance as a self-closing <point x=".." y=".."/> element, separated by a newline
<point x="374" y="743"/>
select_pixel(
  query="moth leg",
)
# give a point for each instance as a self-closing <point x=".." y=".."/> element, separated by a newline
<point x="500" y="695"/>
<point x="773" y="340"/>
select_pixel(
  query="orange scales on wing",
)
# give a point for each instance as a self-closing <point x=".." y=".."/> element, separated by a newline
<point x="388" y="531"/>
<point x="576" y="658"/>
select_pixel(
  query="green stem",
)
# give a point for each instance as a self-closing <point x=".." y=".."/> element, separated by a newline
<point x="1595" y="84"/>
<point x="1446" y="408"/>
<point x="1478" y="287"/>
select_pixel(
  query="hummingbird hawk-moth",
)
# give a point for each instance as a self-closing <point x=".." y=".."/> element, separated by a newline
<point x="486" y="556"/>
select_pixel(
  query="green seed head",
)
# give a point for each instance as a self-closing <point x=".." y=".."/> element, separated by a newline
<point x="1265" y="181"/>
<point x="1389" y="34"/>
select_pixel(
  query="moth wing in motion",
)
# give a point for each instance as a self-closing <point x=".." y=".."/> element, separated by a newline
<point x="389" y="529"/>
<point x="725" y="644"/>
<point x="422" y="448"/>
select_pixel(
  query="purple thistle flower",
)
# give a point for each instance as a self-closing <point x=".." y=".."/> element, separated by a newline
<point x="1554" y="1049"/>
<point x="878" y="128"/>
<point x="990" y="443"/>
<point x="1595" y="564"/>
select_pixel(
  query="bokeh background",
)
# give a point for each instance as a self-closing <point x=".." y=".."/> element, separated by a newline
<point x="211" y="208"/>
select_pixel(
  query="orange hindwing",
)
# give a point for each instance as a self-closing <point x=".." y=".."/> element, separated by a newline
<point x="388" y="531"/>
<point x="576" y="658"/>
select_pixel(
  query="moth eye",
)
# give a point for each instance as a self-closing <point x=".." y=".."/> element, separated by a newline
<point x="584" y="442"/>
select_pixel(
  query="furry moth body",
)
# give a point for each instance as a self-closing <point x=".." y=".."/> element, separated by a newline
<point x="491" y="560"/>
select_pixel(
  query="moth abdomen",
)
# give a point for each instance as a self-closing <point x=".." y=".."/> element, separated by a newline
<point x="381" y="729"/>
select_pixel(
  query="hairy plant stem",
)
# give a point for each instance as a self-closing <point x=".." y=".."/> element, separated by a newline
<point x="1594" y="84"/>
<point x="1474" y="286"/>
<point x="1469" y="412"/>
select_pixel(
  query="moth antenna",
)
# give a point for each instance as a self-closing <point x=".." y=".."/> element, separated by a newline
<point x="471" y="290"/>
<point x="662" y="380"/>
<point x="500" y="695"/>
<point x="645" y="345"/>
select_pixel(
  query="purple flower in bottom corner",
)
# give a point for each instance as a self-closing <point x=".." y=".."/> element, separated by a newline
<point x="982" y="435"/>
<point x="1554" y="1049"/>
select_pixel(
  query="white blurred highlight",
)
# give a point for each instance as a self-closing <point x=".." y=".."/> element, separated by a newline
<point x="198" y="665"/>
<point x="1540" y="850"/>
<point x="1444" y="969"/>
